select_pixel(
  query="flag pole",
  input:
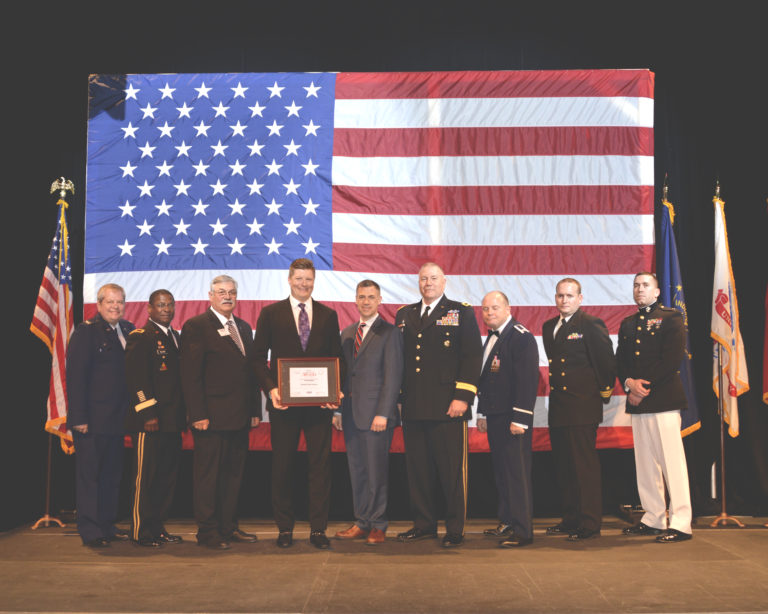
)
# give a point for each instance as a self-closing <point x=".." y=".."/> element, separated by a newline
<point x="46" y="520"/>
<point x="723" y="517"/>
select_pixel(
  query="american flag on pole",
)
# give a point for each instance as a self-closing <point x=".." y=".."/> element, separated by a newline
<point x="52" y="322"/>
<point x="509" y="180"/>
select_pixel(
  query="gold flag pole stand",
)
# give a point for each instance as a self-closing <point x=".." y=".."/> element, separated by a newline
<point x="46" y="520"/>
<point x="723" y="518"/>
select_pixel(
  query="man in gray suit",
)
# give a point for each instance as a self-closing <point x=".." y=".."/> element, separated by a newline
<point x="373" y="352"/>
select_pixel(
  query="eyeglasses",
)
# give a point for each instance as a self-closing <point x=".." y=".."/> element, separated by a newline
<point x="225" y="293"/>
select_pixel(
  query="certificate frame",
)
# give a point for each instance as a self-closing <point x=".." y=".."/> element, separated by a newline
<point x="284" y="366"/>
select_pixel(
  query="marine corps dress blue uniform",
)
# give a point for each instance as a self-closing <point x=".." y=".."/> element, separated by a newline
<point x="154" y="385"/>
<point x="442" y="359"/>
<point x="651" y="347"/>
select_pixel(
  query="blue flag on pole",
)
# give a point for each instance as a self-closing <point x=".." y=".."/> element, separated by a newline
<point x="672" y="295"/>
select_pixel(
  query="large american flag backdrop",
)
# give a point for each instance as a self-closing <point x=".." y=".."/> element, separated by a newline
<point x="510" y="180"/>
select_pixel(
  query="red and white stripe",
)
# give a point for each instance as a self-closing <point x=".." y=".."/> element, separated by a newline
<point x="509" y="180"/>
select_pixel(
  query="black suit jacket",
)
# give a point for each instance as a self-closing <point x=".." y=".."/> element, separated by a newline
<point x="96" y="391"/>
<point x="154" y="379"/>
<point x="442" y="359"/>
<point x="651" y="347"/>
<point x="277" y="336"/>
<point x="216" y="378"/>
<point x="582" y="370"/>
<point x="510" y="376"/>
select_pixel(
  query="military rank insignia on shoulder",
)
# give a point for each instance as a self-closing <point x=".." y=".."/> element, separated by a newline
<point x="136" y="330"/>
<point x="401" y="306"/>
<point x="466" y="305"/>
<point x="520" y="328"/>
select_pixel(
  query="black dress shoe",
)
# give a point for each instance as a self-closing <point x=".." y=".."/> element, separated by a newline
<point x="149" y="542"/>
<point x="415" y="534"/>
<point x="214" y="543"/>
<point x="285" y="539"/>
<point x="243" y="537"/>
<point x="673" y="535"/>
<point x="641" y="529"/>
<point x="167" y="538"/>
<point x="120" y="535"/>
<point x="503" y="530"/>
<point x="99" y="542"/>
<point x="319" y="540"/>
<point x="582" y="534"/>
<point x="560" y="529"/>
<point x="451" y="540"/>
<point x="515" y="541"/>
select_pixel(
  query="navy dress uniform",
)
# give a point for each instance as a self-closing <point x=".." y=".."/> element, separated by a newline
<point x="651" y="347"/>
<point x="582" y="373"/>
<point x="507" y="394"/>
<point x="97" y="396"/>
<point x="154" y="385"/>
<point x="442" y="357"/>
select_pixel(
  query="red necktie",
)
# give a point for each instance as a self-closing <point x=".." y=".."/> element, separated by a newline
<point x="359" y="337"/>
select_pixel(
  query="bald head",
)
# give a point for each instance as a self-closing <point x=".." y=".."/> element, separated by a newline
<point x="495" y="307"/>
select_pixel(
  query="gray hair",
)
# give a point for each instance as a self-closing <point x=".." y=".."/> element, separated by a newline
<point x="222" y="279"/>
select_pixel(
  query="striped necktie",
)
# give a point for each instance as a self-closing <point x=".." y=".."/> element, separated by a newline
<point x="359" y="337"/>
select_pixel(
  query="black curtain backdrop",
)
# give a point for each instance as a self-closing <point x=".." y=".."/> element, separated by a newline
<point x="710" y="66"/>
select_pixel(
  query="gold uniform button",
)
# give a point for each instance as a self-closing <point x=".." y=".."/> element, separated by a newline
<point x="637" y="340"/>
<point x="550" y="360"/>
<point x="419" y="335"/>
<point x="652" y="333"/>
<point x="550" y="374"/>
<point x="418" y="347"/>
<point x="418" y="358"/>
<point x="639" y="328"/>
<point x="562" y="360"/>
<point x="563" y="374"/>
<point x="418" y="370"/>
<point x="447" y="334"/>
<point x="551" y="388"/>
<point x="642" y="317"/>
<point x="565" y="387"/>
<point x="637" y="353"/>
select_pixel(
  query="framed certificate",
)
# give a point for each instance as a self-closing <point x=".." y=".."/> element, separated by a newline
<point x="308" y="381"/>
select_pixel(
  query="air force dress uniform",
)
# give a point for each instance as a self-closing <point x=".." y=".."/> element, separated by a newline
<point x="97" y="396"/>
<point x="154" y="385"/>
<point x="507" y="394"/>
<point x="442" y="362"/>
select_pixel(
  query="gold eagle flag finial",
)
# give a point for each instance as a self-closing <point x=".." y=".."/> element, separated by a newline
<point x="63" y="186"/>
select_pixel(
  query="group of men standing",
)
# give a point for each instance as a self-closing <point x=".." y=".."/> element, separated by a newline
<point x="425" y="371"/>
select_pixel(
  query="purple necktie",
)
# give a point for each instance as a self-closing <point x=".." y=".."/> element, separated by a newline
<point x="303" y="326"/>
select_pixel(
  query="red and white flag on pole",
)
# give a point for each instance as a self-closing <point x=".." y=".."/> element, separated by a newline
<point x="725" y="327"/>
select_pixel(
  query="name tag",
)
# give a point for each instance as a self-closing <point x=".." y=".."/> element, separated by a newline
<point x="223" y="332"/>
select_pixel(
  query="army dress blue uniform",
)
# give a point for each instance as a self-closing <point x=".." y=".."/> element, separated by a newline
<point x="442" y="357"/>
<point x="154" y="386"/>
<point x="97" y="396"/>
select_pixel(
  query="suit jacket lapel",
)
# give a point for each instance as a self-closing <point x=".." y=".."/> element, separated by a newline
<point x="288" y="324"/>
<point x="374" y="330"/>
<point x="226" y="338"/>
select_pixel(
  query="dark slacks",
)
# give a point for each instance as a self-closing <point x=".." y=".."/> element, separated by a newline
<point x="217" y="470"/>
<point x="285" y="429"/>
<point x="368" y="459"/>
<point x="98" y="469"/>
<point x="511" y="458"/>
<point x="155" y="467"/>
<point x="578" y="475"/>
<point x="436" y="453"/>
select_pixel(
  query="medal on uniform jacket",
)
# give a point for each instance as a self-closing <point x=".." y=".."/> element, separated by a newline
<point x="573" y="336"/>
<point x="450" y="319"/>
<point x="495" y="364"/>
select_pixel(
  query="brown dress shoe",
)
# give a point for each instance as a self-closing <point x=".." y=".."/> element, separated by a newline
<point x="353" y="532"/>
<point x="376" y="536"/>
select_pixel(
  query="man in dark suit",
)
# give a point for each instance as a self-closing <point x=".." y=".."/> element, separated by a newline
<point x="443" y="353"/>
<point x="582" y="373"/>
<point x="506" y="396"/>
<point x="155" y="419"/>
<point x="373" y="353"/>
<point x="651" y="348"/>
<point x="222" y="401"/>
<point x="97" y="401"/>
<point x="298" y="327"/>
